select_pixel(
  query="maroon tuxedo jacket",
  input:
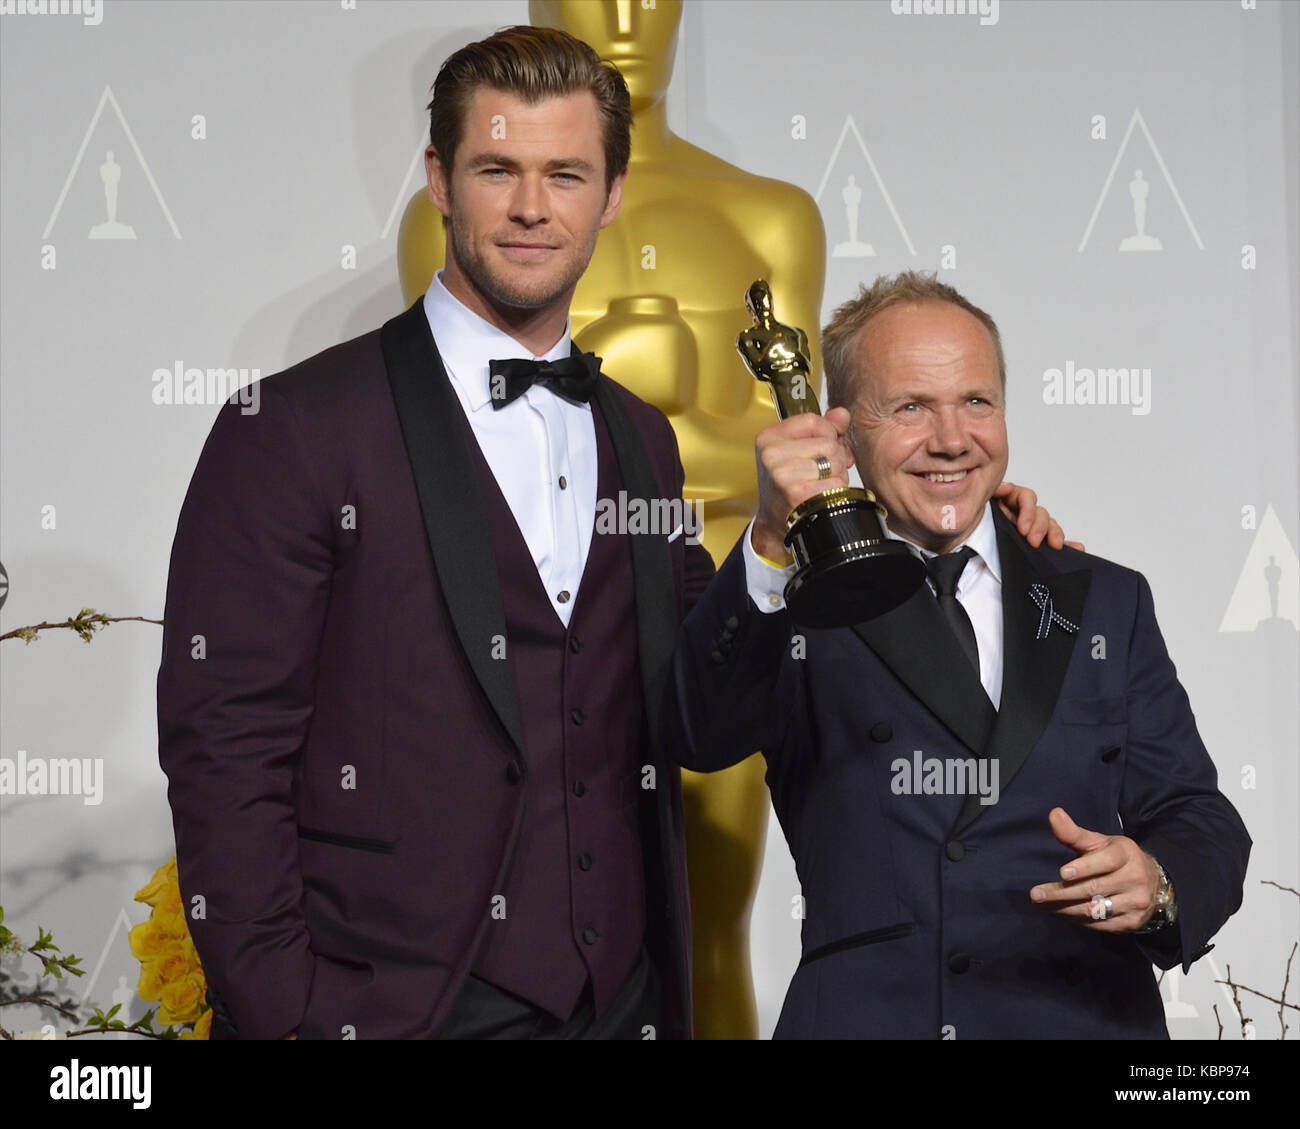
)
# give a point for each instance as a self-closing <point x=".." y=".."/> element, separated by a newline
<point x="341" y="733"/>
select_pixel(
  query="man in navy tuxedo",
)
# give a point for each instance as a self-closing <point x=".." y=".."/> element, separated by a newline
<point x="995" y="795"/>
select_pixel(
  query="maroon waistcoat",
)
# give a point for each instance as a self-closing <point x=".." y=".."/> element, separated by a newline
<point x="574" y="901"/>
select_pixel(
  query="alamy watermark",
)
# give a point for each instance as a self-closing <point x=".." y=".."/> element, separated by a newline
<point x="1130" y="387"/>
<point x="76" y="1082"/>
<point x="987" y="10"/>
<point x="662" y="517"/>
<point x="53" y="776"/>
<point x="945" y="776"/>
<point x="181" y="385"/>
<point x="90" y="11"/>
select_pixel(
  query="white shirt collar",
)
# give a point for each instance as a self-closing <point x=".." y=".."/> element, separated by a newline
<point x="983" y="539"/>
<point x="466" y="343"/>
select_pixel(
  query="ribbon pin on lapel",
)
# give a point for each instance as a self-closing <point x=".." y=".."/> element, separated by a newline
<point x="1042" y="596"/>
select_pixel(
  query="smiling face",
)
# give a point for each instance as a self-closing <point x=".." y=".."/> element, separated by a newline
<point x="929" y="422"/>
<point x="525" y="199"/>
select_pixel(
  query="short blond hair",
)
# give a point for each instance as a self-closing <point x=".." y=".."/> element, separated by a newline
<point x="840" y="336"/>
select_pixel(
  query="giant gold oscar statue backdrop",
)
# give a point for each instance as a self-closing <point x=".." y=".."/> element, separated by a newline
<point x="661" y="302"/>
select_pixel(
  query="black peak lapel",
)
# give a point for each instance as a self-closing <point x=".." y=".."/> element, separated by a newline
<point x="433" y="426"/>
<point x="1032" y="668"/>
<point x="916" y="643"/>
<point x="652" y="568"/>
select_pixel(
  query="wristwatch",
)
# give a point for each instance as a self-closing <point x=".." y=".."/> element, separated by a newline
<point x="1166" y="908"/>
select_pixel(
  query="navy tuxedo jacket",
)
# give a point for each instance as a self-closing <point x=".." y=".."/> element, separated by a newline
<point x="343" y="745"/>
<point x="917" y="916"/>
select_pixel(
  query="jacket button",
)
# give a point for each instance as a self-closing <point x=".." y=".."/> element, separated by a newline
<point x="514" y="772"/>
<point x="590" y="935"/>
<point x="955" y="851"/>
<point x="584" y="861"/>
<point x="579" y="788"/>
<point x="958" y="963"/>
<point x="578" y="716"/>
<point x="732" y="623"/>
<point x="882" y="732"/>
<point x="717" y="657"/>
<point x="575" y="644"/>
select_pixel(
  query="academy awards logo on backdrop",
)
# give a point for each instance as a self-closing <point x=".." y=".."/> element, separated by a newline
<point x="1146" y="229"/>
<point x="1267" y="595"/>
<point x="404" y="189"/>
<point x="111" y="174"/>
<point x="117" y="946"/>
<point x="846" y="219"/>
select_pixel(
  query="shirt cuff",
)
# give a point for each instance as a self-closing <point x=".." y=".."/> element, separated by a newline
<point x="764" y="581"/>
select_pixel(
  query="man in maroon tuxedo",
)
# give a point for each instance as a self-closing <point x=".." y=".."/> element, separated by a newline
<point x="409" y="699"/>
<point x="410" y="762"/>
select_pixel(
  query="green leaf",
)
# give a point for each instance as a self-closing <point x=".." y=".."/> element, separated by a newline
<point x="114" y="1010"/>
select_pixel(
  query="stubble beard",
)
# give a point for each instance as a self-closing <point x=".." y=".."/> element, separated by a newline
<point x="512" y="292"/>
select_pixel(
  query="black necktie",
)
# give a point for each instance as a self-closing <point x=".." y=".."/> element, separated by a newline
<point x="572" y="377"/>
<point x="945" y="571"/>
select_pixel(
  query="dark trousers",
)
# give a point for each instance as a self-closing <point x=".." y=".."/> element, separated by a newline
<point x="483" y="1011"/>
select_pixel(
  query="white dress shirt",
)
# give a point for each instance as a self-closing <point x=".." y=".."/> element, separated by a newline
<point x="979" y="590"/>
<point x="541" y="448"/>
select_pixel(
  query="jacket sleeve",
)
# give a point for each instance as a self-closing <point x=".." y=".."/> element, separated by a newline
<point x="246" y="599"/>
<point x="733" y="688"/>
<point x="1171" y="804"/>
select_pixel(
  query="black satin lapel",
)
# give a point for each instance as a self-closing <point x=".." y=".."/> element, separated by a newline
<point x="652" y="568"/>
<point x="917" y="644"/>
<point x="1032" y="669"/>
<point x="432" y="425"/>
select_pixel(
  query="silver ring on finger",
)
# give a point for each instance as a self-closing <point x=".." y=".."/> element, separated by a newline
<point x="1101" y="908"/>
<point x="824" y="468"/>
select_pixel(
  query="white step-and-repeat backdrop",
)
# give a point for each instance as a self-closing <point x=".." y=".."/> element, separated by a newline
<point x="216" y="185"/>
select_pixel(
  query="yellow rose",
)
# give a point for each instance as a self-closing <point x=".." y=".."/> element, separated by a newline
<point x="163" y="878"/>
<point x="174" y="963"/>
<point x="202" y="1029"/>
<point x="146" y="941"/>
<point x="181" y="1001"/>
<point x="151" y="981"/>
<point x="169" y="923"/>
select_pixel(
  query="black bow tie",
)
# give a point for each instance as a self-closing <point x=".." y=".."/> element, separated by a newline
<point x="573" y="377"/>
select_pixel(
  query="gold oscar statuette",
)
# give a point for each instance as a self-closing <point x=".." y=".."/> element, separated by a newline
<point x="654" y="304"/>
<point x="847" y="569"/>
